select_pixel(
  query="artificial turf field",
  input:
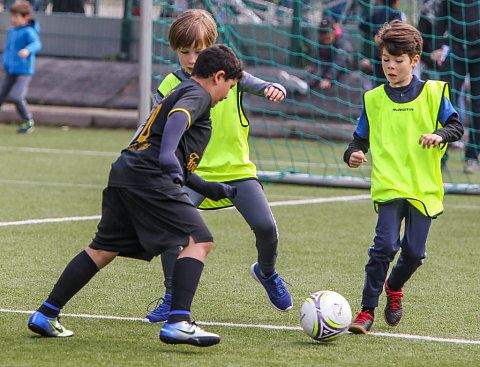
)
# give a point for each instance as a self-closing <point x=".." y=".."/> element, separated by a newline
<point x="50" y="194"/>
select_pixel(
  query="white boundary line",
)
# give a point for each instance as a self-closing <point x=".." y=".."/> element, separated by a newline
<point x="60" y="151"/>
<point x="49" y="220"/>
<point x="97" y="217"/>
<point x="274" y="327"/>
<point x="61" y="184"/>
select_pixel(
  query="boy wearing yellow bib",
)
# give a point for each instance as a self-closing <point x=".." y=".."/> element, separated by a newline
<point x="226" y="161"/>
<point x="406" y="123"/>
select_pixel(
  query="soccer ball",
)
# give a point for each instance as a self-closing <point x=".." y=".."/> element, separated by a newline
<point x="325" y="315"/>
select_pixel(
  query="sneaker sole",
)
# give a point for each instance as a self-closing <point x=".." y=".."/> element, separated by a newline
<point x="254" y="276"/>
<point x="390" y="324"/>
<point x="37" y="329"/>
<point x="148" y="321"/>
<point x="41" y="331"/>
<point x="357" y="329"/>
<point x="29" y="131"/>
<point x="197" y="342"/>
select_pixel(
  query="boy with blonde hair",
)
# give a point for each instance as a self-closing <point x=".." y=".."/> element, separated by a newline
<point x="406" y="124"/>
<point x="226" y="159"/>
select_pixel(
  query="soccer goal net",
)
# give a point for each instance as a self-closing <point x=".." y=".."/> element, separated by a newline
<point x="324" y="54"/>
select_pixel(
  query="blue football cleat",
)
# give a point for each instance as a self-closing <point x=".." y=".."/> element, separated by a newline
<point x="278" y="294"/>
<point x="47" y="326"/>
<point x="185" y="332"/>
<point x="26" y="127"/>
<point x="161" y="310"/>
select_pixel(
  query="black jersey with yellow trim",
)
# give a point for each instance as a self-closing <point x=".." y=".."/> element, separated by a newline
<point x="138" y="164"/>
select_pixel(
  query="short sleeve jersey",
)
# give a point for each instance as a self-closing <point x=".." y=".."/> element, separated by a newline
<point x="138" y="164"/>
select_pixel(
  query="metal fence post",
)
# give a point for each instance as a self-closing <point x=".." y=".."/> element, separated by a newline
<point x="126" y="30"/>
<point x="296" y="32"/>
<point x="145" y="59"/>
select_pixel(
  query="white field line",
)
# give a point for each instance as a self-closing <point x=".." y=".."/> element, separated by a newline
<point x="275" y="203"/>
<point x="457" y="206"/>
<point x="273" y="327"/>
<point x="49" y="220"/>
<point x="96" y="217"/>
<point x="115" y="154"/>
<point x="59" y="151"/>
<point x="59" y="184"/>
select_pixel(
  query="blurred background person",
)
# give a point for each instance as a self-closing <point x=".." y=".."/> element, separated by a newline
<point x="369" y="25"/>
<point x="460" y="20"/>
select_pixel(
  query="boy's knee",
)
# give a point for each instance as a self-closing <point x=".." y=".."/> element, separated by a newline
<point x="266" y="231"/>
<point x="381" y="253"/>
<point x="16" y="100"/>
<point x="413" y="258"/>
<point x="204" y="247"/>
<point x="207" y="246"/>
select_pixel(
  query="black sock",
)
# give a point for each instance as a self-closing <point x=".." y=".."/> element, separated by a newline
<point x="77" y="273"/>
<point x="369" y="310"/>
<point x="186" y="275"/>
<point x="169" y="258"/>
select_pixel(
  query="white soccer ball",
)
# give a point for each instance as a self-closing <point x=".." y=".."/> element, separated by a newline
<point x="325" y="315"/>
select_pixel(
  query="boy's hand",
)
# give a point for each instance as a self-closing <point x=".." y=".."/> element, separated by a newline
<point x="427" y="140"/>
<point x="325" y="83"/>
<point x="23" y="53"/>
<point x="217" y="190"/>
<point x="274" y="94"/>
<point x="356" y="159"/>
<point x="436" y="56"/>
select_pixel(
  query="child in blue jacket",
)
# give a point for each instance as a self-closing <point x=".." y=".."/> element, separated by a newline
<point x="22" y="44"/>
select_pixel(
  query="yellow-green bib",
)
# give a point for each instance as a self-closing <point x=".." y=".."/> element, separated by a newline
<point x="401" y="168"/>
<point x="227" y="156"/>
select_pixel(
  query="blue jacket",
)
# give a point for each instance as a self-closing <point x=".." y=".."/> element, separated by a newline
<point x="17" y="39"/>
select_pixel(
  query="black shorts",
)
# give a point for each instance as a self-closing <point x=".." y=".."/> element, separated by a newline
<point x="142" y="223"/>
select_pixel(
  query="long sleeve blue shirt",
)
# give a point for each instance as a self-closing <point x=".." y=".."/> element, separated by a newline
<point x="17" y="39"/>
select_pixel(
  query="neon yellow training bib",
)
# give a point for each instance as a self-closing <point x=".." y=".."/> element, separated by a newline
<point x="227" y="156"/>
<point x="402" y="169"/>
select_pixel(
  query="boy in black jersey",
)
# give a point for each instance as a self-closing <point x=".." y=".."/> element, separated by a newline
<point x="145" y="210"/>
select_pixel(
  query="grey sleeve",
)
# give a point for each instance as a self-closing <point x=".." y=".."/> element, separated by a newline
<point x="452" y="129"/>
<point x="253" y="85"/>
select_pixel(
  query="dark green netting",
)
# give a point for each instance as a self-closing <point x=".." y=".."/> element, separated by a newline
<point x="303" y="138"/>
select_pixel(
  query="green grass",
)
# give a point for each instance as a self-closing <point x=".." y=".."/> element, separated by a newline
<point x="322" y="246"/>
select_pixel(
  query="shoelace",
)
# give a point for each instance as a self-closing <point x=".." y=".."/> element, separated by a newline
<point x="395" y="299"/>
<point x="362" y="317"/>
<point x="279" y="287"/>
<point x="159" y="301"/>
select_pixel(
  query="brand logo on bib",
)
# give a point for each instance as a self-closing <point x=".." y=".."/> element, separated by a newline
<point x="407" y="109"/>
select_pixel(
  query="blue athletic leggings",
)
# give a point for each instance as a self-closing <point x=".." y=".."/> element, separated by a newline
<point x="386" y="245"/>
<point x="252" y="204"/>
